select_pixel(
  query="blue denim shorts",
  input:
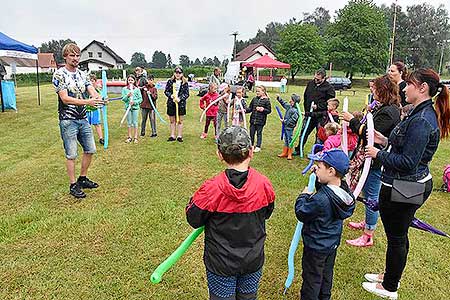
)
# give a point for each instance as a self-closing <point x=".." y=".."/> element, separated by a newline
<point x="73" y="131"/>
<point x="93" y="117"/>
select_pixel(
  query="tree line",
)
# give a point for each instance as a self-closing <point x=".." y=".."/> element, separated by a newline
<point x="160" y="61"/>
<point x="359" y="38"/>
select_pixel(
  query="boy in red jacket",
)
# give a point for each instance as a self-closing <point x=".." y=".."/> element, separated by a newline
<point x="211" y="113"/>
<point x="233" y="206"/>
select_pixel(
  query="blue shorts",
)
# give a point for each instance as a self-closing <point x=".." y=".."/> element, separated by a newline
<point x="228" y="287"/>
<point x="93" y="117"/>
<point x="73" y="131"/>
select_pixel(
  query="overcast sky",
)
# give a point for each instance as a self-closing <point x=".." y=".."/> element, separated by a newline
<point x="194" y="28"/>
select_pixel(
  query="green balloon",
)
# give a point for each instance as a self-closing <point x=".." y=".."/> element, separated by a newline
<point x="299" y="126"/>
<point x="175" y="256"/>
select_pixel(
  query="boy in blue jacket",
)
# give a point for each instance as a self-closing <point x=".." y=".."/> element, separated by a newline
<point x="322" y="215"/>
<point x="289" y="121"/>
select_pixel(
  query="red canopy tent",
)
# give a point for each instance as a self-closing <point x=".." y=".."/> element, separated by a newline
<point x="266" y="62"/>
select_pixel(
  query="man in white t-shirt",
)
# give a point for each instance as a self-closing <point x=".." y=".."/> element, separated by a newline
<point x="75" y="92"/>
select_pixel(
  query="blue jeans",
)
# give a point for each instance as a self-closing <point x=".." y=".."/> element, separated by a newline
<point x="288" y="132"/>
<point x="219" y="118"/>
<point x="233" y="287"/>
<point x="73" y="131"/>
<point x="371" y="192"/>
<point x="132" y="118"/>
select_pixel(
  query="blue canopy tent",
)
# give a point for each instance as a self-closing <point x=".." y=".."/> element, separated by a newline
<point x="12" y="51"/>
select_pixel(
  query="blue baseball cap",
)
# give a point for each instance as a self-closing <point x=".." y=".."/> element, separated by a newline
<point x="336" y="158"/>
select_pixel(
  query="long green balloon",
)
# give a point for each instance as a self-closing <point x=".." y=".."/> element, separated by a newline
<point x="299" y="126"/>
<point x="175" y="256"/>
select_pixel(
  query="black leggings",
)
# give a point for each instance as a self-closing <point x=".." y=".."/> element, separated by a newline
<point x="396" y="219"/>
<point x="258" y="129"/>
<point x="208" y="121"/>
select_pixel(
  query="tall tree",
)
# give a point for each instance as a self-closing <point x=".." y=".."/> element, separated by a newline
<point x="138" y="60"/>
<point x="184" y="61"/>
<point x="209" y="62"/>
<point x="216" y="61"/>
<point x="197" y="62"/>
<point x="169" y="61"/>
<point x="270" y="36"/>
<point x="358" y="40"/>
<point x="159" y="60"/>
<point x="319" y="17"/>
<point x="225" y="62"/>
<point x="427" y="28"/>
<point x="302" y="47"/>
<point x="55" y="47"/>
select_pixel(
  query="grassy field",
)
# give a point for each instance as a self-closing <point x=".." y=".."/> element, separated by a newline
<point x="106" y="246"/>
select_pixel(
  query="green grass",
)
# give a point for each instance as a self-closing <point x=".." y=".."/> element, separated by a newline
<point x="106" y="246"/>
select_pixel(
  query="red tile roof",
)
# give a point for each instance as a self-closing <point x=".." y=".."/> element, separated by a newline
<point x="46" y="60"/>
<point x="249" y="51"/>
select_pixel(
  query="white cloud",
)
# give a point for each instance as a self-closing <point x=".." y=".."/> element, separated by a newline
<point x="194" y="28"/>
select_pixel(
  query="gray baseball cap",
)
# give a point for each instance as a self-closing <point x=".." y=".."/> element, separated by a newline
<point x="233" y="139"/>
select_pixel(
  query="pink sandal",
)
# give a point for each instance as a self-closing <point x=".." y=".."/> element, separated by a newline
<point x="357" y="225"/>
<point x="363" y="241"/>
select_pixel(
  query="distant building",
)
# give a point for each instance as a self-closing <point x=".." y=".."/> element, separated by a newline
<point x="254" y="51"/>
<point x="98" y="56"/>
<point x="248" y="54"/>
<point x="47" y="63"/>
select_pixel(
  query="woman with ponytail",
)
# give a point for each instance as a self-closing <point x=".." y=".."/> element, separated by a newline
<point x="408" y="152"/>
<point x="398" y="73"/>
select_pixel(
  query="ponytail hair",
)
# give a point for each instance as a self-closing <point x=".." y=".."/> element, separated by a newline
<point x="441" y="94"/>
<point x="442" y="107"/>
<point x="401" y="67"/>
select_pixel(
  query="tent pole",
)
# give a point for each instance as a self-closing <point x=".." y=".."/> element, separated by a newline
<point x="1" y="95"/>
<point x="39" y="89"/>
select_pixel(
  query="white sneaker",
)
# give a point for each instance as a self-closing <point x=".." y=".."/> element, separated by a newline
<point x="373" y="278"/>
<point x="257" y="149"/>
<point x="371" y="287"/>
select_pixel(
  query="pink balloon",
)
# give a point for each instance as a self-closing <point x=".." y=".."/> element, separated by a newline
<point x="367" y="162"/>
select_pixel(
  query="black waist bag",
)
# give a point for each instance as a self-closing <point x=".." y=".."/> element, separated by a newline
<point x="409" y="192"/>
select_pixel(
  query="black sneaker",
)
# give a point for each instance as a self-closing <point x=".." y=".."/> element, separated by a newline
<point x="101" y="141"/>
<point x="76" y="191"/>
<point x="142" y="133"/>
<point x="171" y="139"/>
<point x="154" y="135"/>
<point x="180" y="139"/>
<point x="86" y="183"/>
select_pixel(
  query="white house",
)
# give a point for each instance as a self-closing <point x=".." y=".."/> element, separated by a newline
<point x="98" y="56"/>
<point x="248" y="54"/>
<point x="254" y="51"/>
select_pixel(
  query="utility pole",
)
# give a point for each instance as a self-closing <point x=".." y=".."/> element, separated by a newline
<point x="391" y="53"/>
<point x="235" y="34"/>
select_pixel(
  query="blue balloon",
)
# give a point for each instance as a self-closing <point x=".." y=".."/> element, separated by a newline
<point x="295" y="241"/>
<point x="105" y="109"/>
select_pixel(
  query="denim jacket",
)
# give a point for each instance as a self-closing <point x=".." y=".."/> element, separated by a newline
<point x="413" y="143"/>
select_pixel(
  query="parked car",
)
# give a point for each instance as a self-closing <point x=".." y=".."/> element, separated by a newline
<point x="340" y="83"/>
